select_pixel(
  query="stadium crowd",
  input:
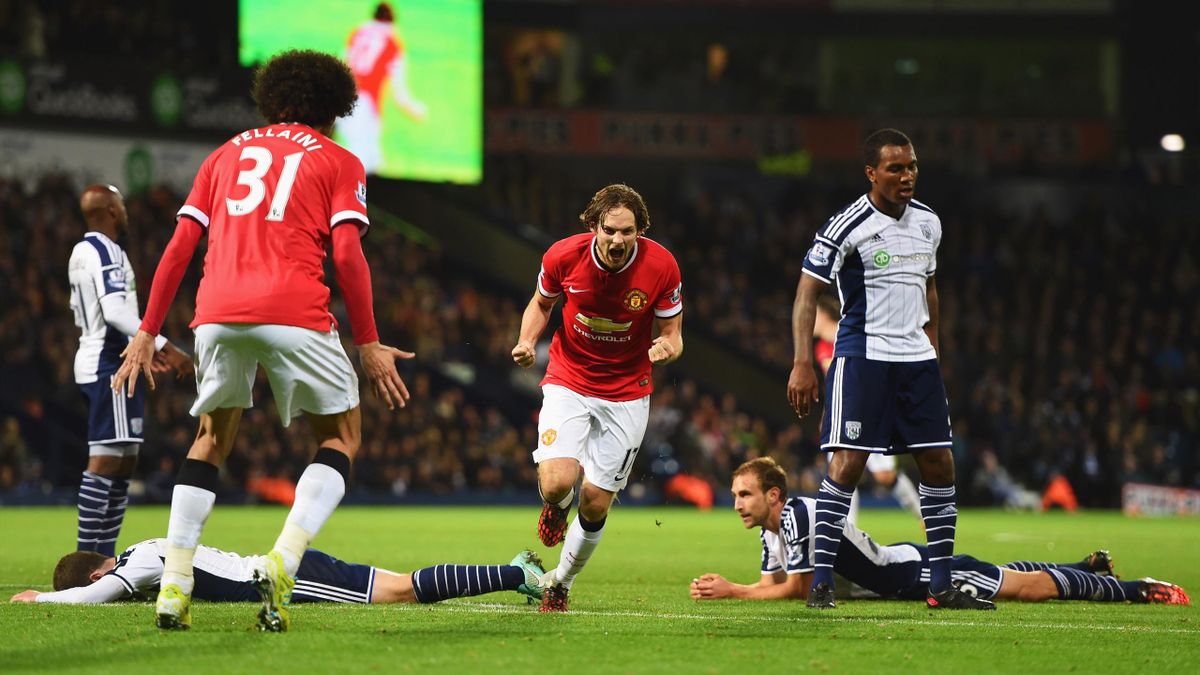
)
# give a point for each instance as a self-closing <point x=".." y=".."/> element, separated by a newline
<point x="178" y="35"/>
<point x="1068" y="346"/>
<point x="454" y="437"/>
<point x="1051" y="368"/>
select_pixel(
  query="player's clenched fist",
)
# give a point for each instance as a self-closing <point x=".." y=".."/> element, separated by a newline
<point x="662" y="350"/>
<point x="523" y="355"/>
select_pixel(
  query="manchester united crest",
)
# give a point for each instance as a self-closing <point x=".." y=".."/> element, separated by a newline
<point x="549" y="436"/>
<point x="636" y="300"/>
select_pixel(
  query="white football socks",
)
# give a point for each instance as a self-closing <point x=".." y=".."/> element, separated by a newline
<point x="190" y="507"/>
<point x="318" y="493"/>
<point x="577" y="548"/>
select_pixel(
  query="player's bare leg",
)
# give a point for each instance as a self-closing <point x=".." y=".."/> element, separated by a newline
<point x="191" y="503"/>
<point x="580" y="542"/>
<point x="318" y="493"/>
<point x="556" y="483"/>
<point x="1027" y="587"/>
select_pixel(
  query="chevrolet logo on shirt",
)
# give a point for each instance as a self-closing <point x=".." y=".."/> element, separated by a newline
<point x="602" y="325"/>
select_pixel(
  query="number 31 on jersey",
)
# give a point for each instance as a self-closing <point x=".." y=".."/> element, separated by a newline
<point x="253" y="179"/>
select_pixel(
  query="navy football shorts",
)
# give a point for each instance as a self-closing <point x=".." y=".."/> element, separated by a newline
<point x="884" y="406"/>
<point x="323" y="578"/>
<point x="113" y="417"/>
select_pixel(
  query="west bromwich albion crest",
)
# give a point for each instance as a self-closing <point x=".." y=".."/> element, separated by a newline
<point x="853" y="430"/>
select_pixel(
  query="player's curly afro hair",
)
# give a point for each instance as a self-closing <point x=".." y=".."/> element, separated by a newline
<point x="304" y="86"/>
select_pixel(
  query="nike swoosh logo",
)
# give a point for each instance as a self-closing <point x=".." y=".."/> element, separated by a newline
<point x="572" y="289"/>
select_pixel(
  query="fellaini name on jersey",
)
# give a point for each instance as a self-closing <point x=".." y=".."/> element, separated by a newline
<point x="302" y="137"/>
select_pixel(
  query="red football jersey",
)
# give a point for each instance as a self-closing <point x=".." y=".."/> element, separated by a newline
<point x="600" y="349"/>
<point x="824" y="353"/>
<point x="370" y="53"/>
<point x="269" y="199"/>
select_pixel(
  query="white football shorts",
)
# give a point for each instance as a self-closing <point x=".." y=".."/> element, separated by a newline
<point x="603" y="436"/>
<point x="308" y="371"/>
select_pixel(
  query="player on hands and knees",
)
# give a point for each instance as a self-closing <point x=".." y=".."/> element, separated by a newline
<point x="85" y="578"/>
<point x="899" y="571"/>
<point x="104" y="300"/>
<point x="884" y="389"/>
<point x="271" y="201"/>
<point x="619" y="287"/>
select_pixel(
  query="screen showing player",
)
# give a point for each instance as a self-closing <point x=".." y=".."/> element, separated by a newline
<point x="419" y="68"/>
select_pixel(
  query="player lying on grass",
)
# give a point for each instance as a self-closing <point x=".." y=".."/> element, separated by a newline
<point x="87" y="577"/>
<point x="899" y="571"/>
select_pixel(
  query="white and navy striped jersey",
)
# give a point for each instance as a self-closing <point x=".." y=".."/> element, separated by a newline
<point x="881" y="266"/>
<point x="219" y="576"/>
<point x="791" y="548"/>
<point x="880" y="569"/>
<point x="104" y="300"/>
<point x="228" y="575"/>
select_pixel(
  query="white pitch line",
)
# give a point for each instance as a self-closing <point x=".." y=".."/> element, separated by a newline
<point x="491" y="608"/>
<point x="499" y="608"/>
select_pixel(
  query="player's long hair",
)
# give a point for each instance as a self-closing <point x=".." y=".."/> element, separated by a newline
<point x="769" y="473"/>
<point x="75" y="569"/>
<point x="304" y="86"/>
<point x="610" y="197"/>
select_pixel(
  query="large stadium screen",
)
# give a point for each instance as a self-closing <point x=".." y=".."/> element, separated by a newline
<point x="418" y="65"/>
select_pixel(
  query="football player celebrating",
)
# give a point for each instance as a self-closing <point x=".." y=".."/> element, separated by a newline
<point x="620" y="289"/>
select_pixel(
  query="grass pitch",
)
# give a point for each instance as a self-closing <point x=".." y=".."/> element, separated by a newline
<point x="629" y="609"/>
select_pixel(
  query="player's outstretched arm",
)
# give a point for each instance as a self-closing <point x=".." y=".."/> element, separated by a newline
<point x="379" y="365"/>
<point x="415" y="109"/>
<point x="777" y="586"/>
<point x="668" y="346"/>
<point x="139" y="355"/>
<point x="105" y="589"/>
<point x="533" y="322"/>
<point x="802" y="390"/>
<point x="354" y="278"/>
